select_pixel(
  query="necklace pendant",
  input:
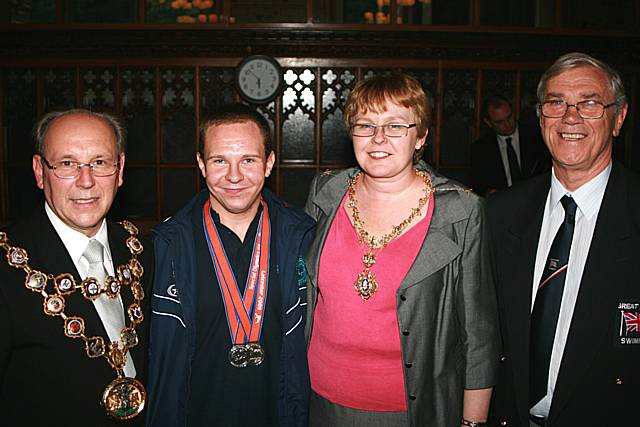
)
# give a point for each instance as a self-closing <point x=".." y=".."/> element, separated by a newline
<point x="124" y="398"/>
<point x="366" y="284"/>
<point x="368" y="259"/>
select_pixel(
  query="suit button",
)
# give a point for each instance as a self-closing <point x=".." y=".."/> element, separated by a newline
<point x="503" y="358"/>
<point x="412" y="397"/>
<point x="618" y="381"/>
<point x="405" y="333"/>
<point x="403" y="298"/>
<point x="503" y="423"/>
<point x="408" y="365"/>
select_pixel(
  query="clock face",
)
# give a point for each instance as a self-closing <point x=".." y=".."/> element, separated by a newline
<point x="259" y="78"/>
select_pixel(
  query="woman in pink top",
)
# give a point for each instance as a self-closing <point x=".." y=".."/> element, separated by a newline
<point x="402" y="320"/>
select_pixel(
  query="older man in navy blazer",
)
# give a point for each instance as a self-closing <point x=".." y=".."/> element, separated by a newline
<point x="566" y="261"/>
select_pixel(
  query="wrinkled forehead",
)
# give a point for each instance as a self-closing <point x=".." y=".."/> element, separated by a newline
<point x="584" y="82"/>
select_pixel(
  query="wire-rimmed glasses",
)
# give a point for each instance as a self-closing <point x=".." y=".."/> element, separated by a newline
<point x="589" y="109"/>
<point x="392" y="130"/>
<point x="68" y="169"/>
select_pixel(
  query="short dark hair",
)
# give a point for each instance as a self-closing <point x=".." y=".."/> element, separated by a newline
<point x="236" y="113"/>
<point x="41" y="128"/>
<point x="494" y="101"/>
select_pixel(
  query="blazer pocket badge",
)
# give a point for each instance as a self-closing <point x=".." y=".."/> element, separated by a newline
<point x="628" y="323"/>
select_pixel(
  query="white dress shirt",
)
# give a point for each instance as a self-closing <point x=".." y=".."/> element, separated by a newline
<point x="502" y="146"/>
<point x="588" y="198"/>
<point x="76" y="243"/>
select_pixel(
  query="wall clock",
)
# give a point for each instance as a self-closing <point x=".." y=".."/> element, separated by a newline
<point x="259" y="79"/>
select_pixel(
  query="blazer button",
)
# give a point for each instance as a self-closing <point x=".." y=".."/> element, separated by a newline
<point x="408" y="365"/>
<point x="403" y="298"/>
<point x="503" y="358"/>
<point x="504" y="423"/>
<point x="412" y="397"/>
<point x="618" y="381"/>
<point x="405" y="333"/>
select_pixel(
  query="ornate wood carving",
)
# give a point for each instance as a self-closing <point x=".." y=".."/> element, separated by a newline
<point x="310" y="41"/>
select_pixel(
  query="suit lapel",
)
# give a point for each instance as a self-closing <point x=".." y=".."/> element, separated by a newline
<point x="437" y="248"/>
<point x="496" y="157"/>
<point x="121" y="255"/>
<point x="49" y="255"/>
<point x="520" y="246"/>
<point x="611" y="244"/>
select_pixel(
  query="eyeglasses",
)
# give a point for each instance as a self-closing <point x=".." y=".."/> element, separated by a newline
<point x="392" y="130"/>
<point x="588" y="109"/>
<point x="67" y="169"/>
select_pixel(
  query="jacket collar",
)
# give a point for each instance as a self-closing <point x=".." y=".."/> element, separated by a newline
<point x="448" y="210"/>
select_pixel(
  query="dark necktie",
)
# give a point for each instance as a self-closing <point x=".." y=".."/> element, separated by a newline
<point x="544" y="317"/>
<point x="514" y="167"/>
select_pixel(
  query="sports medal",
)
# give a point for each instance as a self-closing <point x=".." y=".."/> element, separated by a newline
<point x="245" y="313"/>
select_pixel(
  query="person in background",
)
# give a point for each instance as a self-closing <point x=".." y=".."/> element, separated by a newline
<point x="509" y="153"/>
<point x="229" y="299"/>
<point x="72" y="332"/>
<point x="402" y="323"/>
<point x="566" y="261"/>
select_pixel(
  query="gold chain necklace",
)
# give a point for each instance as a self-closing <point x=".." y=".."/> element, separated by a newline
<point x="124" y="397"/>
<point x="366" y="284"/>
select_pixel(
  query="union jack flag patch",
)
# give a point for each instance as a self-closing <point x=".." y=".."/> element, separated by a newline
<point x="629" y="323"/>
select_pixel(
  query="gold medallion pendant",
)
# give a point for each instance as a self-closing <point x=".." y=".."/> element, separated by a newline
<point x="124" y="398"/>
<point x="366" y="284"/>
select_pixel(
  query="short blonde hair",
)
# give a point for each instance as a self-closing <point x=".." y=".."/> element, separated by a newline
<point x="401" y="89"/>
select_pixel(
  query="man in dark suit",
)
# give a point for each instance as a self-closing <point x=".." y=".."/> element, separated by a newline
<point x="511" y="152"/>
<point x="566" y="262"/>
<point x="72" y="336"/>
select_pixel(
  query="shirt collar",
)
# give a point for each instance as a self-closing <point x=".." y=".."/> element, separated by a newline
<point x="588" y="196"/>
<point x="73" y="240"/>
<point x="513" y="136"/>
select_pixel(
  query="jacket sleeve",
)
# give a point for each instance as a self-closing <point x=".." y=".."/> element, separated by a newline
<point x="477" y="310"/>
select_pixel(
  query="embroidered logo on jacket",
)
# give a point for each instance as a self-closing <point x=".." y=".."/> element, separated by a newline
<point x="172" y="291"/>
<point x="629" y="323"/>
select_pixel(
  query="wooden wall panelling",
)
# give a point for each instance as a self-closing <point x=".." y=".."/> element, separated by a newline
<point x="460" y="67"/>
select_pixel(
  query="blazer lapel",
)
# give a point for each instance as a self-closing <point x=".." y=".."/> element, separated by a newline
<point x="496" y="159"/>
<point x="121" y="255"/>
<point x="50" y="256"/>
<point x="520" y="245"/>
<point x="611" y="244"/>
<point x="437" y="248"/>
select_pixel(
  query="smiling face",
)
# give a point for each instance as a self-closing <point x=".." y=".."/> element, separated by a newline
<point x="380" y="156"/>
<point x="581" y="148"/>
<point x="235" y="167"/>
<point x="81" y="202"/>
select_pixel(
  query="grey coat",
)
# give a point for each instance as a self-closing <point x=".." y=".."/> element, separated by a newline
<point x="446" y="303"/>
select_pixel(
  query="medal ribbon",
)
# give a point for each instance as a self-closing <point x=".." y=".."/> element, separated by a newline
<point x="240" y="310"/>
